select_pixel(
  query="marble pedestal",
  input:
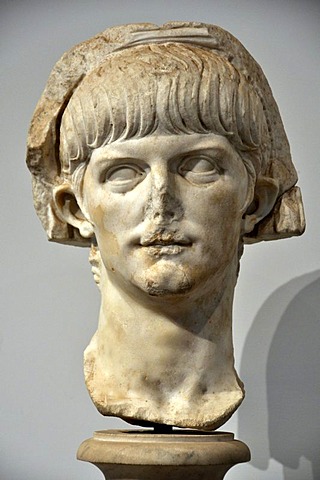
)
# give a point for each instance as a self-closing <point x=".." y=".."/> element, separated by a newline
<point x="178" y="455"/>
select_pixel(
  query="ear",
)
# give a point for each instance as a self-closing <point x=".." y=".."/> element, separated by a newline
<point x="69" y="211"/>
<point x="265" y="196"/>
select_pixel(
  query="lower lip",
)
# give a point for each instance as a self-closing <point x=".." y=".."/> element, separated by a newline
<point x="161" y="250"/>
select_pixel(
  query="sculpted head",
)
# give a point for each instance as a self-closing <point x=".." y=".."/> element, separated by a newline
<point x="164" y="150"/>
<point x="166" y="153"/>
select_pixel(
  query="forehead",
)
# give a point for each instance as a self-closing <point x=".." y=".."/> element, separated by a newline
<point x="166" y="146"/>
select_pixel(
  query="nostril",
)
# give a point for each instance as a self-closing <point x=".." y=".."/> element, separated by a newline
<point x="166" y="214"/>
<point x="162" y="207"/>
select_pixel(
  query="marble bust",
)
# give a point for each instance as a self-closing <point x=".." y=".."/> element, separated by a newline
<point x="162" y="149"/>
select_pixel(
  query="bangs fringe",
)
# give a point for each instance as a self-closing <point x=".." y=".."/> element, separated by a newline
<point x="167" y="88"/>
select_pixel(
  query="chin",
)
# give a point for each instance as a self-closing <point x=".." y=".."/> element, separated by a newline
<point x="159" y="290"/>
<point x="165" y="279"/>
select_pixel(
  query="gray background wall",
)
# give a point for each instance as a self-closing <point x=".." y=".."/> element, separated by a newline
<point x="50" y="303"/>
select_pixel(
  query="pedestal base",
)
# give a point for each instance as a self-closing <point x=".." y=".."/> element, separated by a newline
<point x="179" y="455"/>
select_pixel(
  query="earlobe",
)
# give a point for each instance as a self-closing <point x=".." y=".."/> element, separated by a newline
<point x="69" y="211"/>
<point x="265" y="196"/>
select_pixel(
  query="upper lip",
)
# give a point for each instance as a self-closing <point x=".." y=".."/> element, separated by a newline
<point x="164" y="239"/>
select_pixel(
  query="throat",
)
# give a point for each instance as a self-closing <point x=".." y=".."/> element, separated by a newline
<point x="143" y="361"/>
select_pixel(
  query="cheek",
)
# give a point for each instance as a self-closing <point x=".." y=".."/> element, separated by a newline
<point x="114" y="212"/>
<point x="114" y="218"/>
<point x="106" y="237"/>
<point x="108" y="243"/>
<point x="220" y="205"/>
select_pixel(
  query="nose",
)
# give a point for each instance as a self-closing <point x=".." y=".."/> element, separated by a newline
<point x="163" y="203"/>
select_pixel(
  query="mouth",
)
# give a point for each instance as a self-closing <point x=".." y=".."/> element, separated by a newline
<point x="165" y="243"/>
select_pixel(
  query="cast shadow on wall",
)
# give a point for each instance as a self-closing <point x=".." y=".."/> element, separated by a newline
<point x="280" y="421"/>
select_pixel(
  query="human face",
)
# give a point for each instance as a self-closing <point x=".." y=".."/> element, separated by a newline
<point x="167" y="212"/>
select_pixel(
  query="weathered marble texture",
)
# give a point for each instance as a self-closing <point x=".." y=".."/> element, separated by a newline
<point x="163" y="149"/>
<point x="138" y="454"/>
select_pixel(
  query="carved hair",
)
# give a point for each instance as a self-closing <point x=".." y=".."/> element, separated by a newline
<point x="168" y="88"/>
<point x="228" y="95"/>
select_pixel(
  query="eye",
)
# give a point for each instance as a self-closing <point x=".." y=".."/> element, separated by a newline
<point x="124" y="177"/>
<point x="199" y="169"/>
<point x="125" y="173"/>
<point x="197" y="165"/>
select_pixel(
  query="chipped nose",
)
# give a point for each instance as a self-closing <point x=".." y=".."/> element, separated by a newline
<point x="163" y="205"/>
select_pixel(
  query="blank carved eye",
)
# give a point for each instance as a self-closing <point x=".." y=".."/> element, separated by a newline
<point x="199" y="169"/>
<point x="124" y="175"/>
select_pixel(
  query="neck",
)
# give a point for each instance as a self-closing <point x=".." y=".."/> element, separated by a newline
<point x="172" y="363"/>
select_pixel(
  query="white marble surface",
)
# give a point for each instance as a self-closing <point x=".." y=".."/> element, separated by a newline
<point x="53" y="389"/>
<point x="163" y="147"/>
